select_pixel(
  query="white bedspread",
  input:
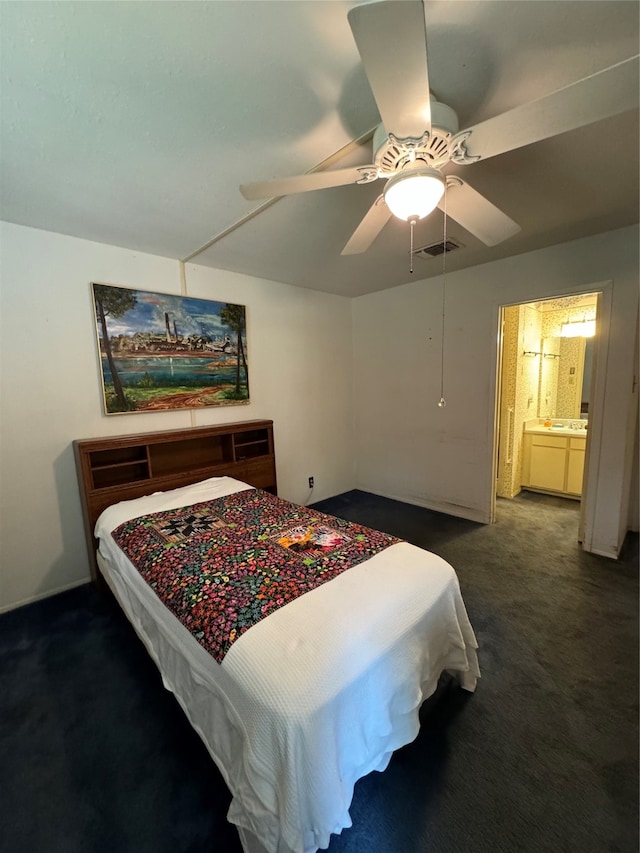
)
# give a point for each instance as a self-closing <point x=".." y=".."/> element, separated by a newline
<point x="315" y="696"/>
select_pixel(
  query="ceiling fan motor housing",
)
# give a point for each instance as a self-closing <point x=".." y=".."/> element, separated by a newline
<point x="419" y="135"/>
<point x="391" y="154"/>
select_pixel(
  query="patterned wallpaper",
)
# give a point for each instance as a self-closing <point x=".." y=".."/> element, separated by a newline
<point x="504" y="487"/>
<point x="519" y="397"/>
<point x="553" y="316"/>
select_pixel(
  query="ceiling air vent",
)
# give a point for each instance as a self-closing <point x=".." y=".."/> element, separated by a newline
<point x="436" y="249"/>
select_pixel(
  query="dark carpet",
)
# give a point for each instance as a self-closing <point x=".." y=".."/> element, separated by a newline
<point x="96" y="756"/>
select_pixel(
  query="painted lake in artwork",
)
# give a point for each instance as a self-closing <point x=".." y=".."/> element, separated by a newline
<point x="171" y="369"/>
<point x="156" y="383"/>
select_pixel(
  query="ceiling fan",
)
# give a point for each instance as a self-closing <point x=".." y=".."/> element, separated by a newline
<point x="419" y="135"/>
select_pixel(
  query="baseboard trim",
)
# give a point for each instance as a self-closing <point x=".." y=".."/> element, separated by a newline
<point x="435" y="506"/>
<point x="600" y="552"/>
<point x="5" y="608"/>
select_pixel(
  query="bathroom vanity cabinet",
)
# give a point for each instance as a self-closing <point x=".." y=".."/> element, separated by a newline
<point x="553" y="463"/>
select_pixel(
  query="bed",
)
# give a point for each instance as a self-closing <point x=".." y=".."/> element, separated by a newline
<point x="318" y="692"/>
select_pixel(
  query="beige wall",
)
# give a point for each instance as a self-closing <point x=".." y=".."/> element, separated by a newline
<point x="319" y="364"/>
<point x="410" y="449"/>
<point x="300" y="361"/>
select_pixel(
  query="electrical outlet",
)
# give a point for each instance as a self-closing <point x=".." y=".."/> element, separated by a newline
<point x="310" y="482"/>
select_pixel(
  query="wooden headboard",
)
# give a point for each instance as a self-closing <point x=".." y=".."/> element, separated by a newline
<point x="129" y="466"/>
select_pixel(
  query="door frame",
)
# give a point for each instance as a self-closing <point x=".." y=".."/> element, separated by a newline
<point x="604" y="293"/>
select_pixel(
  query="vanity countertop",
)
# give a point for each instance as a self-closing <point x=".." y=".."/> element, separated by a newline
<point x="563" y="428"/>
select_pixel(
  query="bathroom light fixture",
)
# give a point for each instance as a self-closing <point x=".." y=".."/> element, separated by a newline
<point x="414" y="195"/>
<point x="582" y="329"/>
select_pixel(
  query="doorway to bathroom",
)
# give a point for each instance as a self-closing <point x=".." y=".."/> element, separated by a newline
<point x="545" y="390"/>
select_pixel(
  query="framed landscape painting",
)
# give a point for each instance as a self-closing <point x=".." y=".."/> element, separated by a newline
<point x="160" y="352"/>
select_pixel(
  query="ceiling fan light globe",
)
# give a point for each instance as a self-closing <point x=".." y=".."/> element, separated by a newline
<point x="415" y="195"/>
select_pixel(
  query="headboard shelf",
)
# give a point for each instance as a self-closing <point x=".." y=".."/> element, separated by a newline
<point x="118" y="456"/>
<point x="172" y="457"/>
<point x="122" y="467"/>
<point x="119" y="474"/>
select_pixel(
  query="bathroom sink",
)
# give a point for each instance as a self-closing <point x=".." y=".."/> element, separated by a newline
<point x="539" y="429"/>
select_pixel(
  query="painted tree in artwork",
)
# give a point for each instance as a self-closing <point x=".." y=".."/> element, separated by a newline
<point x="233" y="316"/>
<point x="112" y="302"/>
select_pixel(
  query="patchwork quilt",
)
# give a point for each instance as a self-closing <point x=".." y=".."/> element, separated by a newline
<point x="222" y="565"/>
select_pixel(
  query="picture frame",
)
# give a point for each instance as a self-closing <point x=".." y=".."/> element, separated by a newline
<point x="162" y="352"/>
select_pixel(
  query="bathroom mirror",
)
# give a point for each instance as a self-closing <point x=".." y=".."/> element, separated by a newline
<point x="561" y="378"/>
<point x="548" y="378"/>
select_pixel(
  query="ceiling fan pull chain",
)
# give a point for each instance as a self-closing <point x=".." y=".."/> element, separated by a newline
<point x="442" y="402"/>
<point x="412" y="222"/>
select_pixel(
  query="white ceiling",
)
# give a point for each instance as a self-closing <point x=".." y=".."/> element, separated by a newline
<point x="133" y="123"/>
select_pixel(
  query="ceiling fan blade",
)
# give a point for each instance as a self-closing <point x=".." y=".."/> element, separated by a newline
<point x="374" y="221"/>
<point x="476" y="213"/>
<point x="311" y="181"/>
<point x="392" y="43"/>
<point x="607" y="93"/>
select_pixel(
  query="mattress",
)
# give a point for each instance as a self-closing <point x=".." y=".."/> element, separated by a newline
<point x="313" y="697"/>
